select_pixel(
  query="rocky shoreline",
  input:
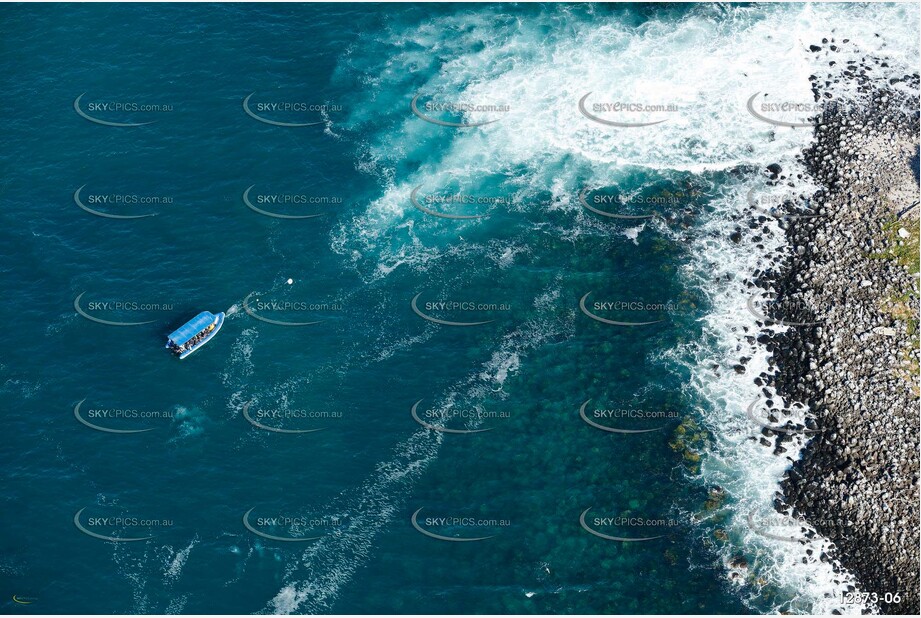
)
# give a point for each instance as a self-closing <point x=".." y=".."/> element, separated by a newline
<point x="846" y="300"/>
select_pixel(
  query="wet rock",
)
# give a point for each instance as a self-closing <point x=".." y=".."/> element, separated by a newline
<point x="860" y="465"/>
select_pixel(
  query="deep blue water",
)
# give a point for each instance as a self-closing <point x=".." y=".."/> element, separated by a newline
<point x="357" y="372"/>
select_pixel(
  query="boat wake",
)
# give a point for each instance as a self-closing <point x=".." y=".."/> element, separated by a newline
<point x="316" y="578"/>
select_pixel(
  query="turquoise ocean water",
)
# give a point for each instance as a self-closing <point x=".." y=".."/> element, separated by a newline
<point x="346" y="503"/>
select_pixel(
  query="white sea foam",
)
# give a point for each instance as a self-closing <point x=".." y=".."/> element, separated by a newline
<point x="188" y="422"/>
<point x="748" y="471"/>
<point x="634" y="232"/>
<point x="240" y="365"/>
<point x="175" y="560"/>
<point x="315" y="580"/>
<point x="133" y="564"/>
<point x="544" y="142"/>
<point x="745" y="469"/>
<point x="707" y="64"/>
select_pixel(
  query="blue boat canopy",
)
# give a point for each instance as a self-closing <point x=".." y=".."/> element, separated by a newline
<point x="191" y="328"/>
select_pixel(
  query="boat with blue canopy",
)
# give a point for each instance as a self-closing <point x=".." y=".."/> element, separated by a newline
<point x="195" y="333"/>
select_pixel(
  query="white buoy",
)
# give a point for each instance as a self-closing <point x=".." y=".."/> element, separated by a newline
<point x="290" y="281"/>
